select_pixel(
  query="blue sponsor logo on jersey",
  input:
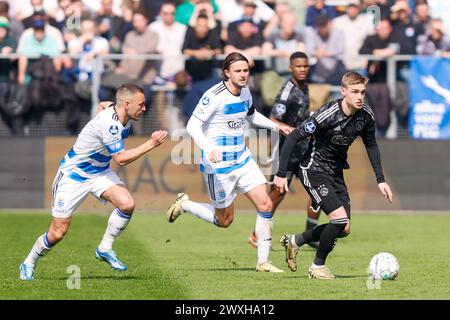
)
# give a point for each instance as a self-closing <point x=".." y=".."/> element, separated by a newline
<point x="114" y="129"/>
<point x="310" y="127"/>
<point x="205" y="100"/>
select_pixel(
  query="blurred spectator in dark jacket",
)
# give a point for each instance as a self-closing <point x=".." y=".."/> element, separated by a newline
<point x="247" y="40"/>
<point x="319" y="8"/>
<point x="15" y="26"/>
<point x="435" y="41"/>
<point x="403" y="26"/>
<point x="110" y="26"/>
<point x="38" y="9"/>
<point x="201" y="45"/>
<point x="422" y="14"/>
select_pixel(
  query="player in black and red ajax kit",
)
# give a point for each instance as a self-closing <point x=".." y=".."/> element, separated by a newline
<point x="332" y="129"/>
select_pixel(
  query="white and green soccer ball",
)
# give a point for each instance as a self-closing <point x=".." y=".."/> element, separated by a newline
<point x="383" y="266"/>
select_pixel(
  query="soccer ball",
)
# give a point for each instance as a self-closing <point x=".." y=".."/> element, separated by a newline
<point x="383" y="266"/>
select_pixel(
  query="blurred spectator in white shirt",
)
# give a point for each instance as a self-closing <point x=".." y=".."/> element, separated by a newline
<point x="356" y="27"/>
<point x="170" y="41"/>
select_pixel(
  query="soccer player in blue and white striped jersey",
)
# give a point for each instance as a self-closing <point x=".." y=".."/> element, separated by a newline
<point x="85" y="170"/>
<point x="217" y="126"/>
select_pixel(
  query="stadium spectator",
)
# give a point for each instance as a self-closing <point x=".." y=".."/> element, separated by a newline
<point x="185" y="10"/>
<point x="435" y="41"/>
<point x="403" y="27"/>
<point x="153" y="7"/>
<point x="171" y="36"/>
<point x="235" y="10"/>
<point x="41" y="39"/>
<point x="12" y="106"/>
<point x="422" y="14"/>
<point x="89" y="45"/>
<point x="110" y="25"/>
<point x="325" y="43"/>
<point x="283" y="42"/>
<point x="140" y="40"/>
<point x="93" y="7"/>
<point x="348" y="23"/>
<point x="205" y="8"/>
<point x="201" y="45"/>
<point x="15" y="26"/>
<point x="380" y="45"/>
<point x="319" y="9"/>
<point x="25" y="8"/>
<point x="7" y="45"/>
<point x="248" y="40"/>
<point x="38" y="12"/>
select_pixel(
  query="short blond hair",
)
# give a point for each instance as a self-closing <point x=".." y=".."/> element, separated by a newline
<point x="351" y="78"/>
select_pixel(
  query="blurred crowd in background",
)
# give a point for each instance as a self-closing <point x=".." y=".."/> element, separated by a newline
<point x="192" y="35"/>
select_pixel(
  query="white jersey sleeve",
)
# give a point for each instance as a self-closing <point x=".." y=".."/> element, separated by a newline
<point x="206" y="107"/>
<point x="111" y="135"/>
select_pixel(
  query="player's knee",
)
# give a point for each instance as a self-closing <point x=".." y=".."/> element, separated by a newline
<point x="56" y="234"/>
<point x="266" y="206"/>
<point x="346" y="231"/>
<point x="127" y="205"/>
<point x="224" y="222"/>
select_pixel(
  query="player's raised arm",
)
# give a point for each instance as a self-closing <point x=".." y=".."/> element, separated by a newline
<point x="125" y="157"/>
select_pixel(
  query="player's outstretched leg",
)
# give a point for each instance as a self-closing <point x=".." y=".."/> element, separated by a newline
<point x="328" y="239"/>
<point x="291" y="249"/>
<point x="292" y="242"/>
<point x="312" y="220"/>
<point x="276" y="196"/>
<point x="263" y="230"/>
<point x="117" y="222"/>
<point x="182" y="204"/>
<point x="40" y="248"/>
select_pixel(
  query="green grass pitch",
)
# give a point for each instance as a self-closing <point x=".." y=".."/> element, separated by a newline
<point x="190" y="259"/>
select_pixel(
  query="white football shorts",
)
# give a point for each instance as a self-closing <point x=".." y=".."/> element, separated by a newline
<point x="222" y="187"/>
<point x="68" y="194"/>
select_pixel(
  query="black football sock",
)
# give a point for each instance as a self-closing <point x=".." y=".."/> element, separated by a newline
<point x="312" y="235"/>
<point x="311" y="223"/>
<point x="328" y="239"/>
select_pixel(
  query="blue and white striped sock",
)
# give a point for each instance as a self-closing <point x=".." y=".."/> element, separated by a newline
<point x="40" y="249"/>
<point x="117" y="222"/>
<point x="263" y="231"/>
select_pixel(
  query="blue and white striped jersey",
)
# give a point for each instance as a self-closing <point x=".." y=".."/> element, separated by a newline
<point x="91" y="154"/>
<point x="224" y="123"/>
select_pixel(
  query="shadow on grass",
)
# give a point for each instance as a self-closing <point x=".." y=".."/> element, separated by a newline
<point x="230" y="269"/>
<point x="350" y="277"/>
<point x="100" y="277"/>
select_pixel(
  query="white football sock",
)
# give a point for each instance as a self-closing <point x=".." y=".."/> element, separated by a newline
<point x="40" y="249"/>
<point x="263" y="231"/>
<point x="204" y="211"/>
<point x="117" y="222"/>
